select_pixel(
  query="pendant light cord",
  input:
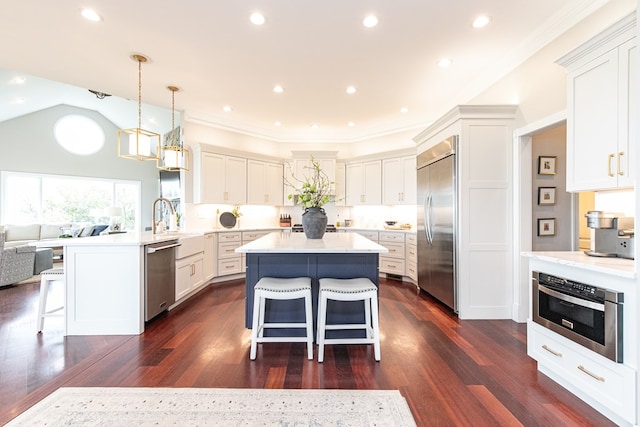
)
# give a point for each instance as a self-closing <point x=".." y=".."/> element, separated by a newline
<point x="139" y="94"/>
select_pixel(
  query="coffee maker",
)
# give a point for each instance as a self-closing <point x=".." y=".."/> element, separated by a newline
<point x="612" y="234"/>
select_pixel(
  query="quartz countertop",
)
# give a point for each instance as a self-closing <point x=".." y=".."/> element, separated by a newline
<point x="121" y="239"/>
<point x="278" y="242"/>
<point x="616" y="266"/>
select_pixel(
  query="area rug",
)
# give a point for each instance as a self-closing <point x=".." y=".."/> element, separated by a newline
<point x="102" y="406"/>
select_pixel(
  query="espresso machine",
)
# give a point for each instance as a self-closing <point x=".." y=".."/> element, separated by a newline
<point x="612" y="234"/>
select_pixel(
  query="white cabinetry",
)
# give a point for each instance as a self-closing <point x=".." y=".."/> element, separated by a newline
<point x="399" y="181"/>
<point x="210" y="267"/>
<point x="265" y="184"/>
<point x="340" y="184"/>
<point x="364" y="183"/>
<point x="411" y="252"/>
<point x="220" y="179"/>
<point x="189" y="265"/>
<point x="484" y="237"/>
<point x="602" y="86"/>
<point x="392" y="262"/>
<point x="229" y="262"/>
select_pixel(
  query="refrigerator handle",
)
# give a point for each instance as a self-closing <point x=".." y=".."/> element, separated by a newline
<point x="427" y="218"/>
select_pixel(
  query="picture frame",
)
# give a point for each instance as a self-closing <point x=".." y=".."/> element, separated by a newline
<point x="546" y="227"/>
<point x="547" y="165"/>
<point x="546" y="196"/>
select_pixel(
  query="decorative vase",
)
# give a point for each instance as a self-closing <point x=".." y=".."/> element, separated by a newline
<point x="314" y="223"/>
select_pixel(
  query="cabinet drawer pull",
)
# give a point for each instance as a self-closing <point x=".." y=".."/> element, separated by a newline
<point x="620" y="154"/>
<point x="611" y="156"/>
<point x="555" y="353"/>
<point x="591" y="374"/>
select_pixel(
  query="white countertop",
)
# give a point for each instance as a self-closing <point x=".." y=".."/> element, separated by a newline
<point x="278" y="242"/>
<point x="616" y="266"/>
<point x="122" y="239"/>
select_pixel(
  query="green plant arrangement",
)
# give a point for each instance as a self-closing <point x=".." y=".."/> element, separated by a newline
<point x="314" y="190"/>
<point x="236" y="211"/>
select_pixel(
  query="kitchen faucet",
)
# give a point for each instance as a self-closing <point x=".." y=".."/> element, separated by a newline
<point x="153" y="214"/>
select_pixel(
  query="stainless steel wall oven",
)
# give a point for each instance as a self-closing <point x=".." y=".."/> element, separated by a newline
<point x="588" y="315"/>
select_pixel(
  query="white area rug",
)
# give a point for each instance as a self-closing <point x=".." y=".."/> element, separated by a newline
<point x="94" y="406"/>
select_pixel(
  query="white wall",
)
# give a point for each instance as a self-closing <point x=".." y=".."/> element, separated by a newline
<point x="28" y="145"/>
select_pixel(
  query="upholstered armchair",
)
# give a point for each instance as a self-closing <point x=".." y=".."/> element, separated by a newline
<point x="16" y="263"/>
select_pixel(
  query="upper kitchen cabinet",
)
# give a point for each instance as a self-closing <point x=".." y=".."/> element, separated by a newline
<point x="265" y="183"/>
<point x="602" y="109"/>
<point x="399" y="181"/>
<point x="340" y="184"/>
<point x="220" y="179"/>
<point x="364" y="183"/>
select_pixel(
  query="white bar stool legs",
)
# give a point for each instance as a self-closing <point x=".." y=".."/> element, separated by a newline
<point x="281" y="289"/>
<point x="360" y="289"/>
<point x="47" y="277"/>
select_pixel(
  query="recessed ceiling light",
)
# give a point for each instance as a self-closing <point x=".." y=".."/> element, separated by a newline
<point x="18" y="80"/>
<point x="278" y="89"/>
<point x="481" y="21"/>
<point x="370" y="21"/>
<point x="91" y="15"/>
<point x="227" y="109"/>
<point x="444" y="62"/>
<point x="404" y="110"/>
<point x="314" y="126"/>
<point x="257" y="18"/>
<point x="351" y="90"/>
<point x="351" y="124"/>
<point x="277" y="124"/>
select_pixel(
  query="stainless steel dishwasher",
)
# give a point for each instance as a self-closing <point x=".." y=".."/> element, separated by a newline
<point x="159" y="278"/>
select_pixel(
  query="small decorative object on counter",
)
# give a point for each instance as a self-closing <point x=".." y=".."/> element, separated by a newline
<point x="285" y="220"/>
<point x="236" y="212"/>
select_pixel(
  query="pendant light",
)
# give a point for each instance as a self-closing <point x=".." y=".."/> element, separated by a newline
<point x="173" y="156"/>
<point x="137" y="143"/>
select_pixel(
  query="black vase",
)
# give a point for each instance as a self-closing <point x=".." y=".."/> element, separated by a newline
<point x="314" y="223"/>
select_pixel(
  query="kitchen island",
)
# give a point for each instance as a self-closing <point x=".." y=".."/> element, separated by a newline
<point x="104" y="282"/>
<point x="336" y="255"/>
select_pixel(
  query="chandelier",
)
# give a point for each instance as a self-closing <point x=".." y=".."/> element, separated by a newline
<point x="137" y="143"/>
<point x="173" y="156"/>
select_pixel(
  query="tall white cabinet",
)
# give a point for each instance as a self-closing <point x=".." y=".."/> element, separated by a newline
<point x="484" y="234"/>
<point x="219" y="178"/>
<point x="399" y="181"/>
<point x="364" y="183"/>
<point x="602" y="109"/>
<point x="265" y="185"/>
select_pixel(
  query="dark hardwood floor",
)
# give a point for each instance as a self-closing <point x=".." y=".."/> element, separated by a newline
<point x="451" y="372"/>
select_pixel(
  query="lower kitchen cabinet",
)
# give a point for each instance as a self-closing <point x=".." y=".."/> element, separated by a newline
<point x="606" y="385"/>
<point x="210" y="265"/>
<point x="189" y="274"/>
<point x="229" y="262"/>
<point x="411" y="250"/>
<point x="392" y="262"/>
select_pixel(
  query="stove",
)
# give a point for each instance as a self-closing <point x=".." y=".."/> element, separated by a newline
<point x="297" y="228"/>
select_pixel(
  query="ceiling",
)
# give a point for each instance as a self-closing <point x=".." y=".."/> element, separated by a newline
<point x="314" y="49"/>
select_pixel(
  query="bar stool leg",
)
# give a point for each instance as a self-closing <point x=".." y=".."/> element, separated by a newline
<point x="309" y="317"/>
<point x="322" y="322"/>
<point x="376" y="328"/>
<point x="256" y="324"/>
<point x="42" y="305"/>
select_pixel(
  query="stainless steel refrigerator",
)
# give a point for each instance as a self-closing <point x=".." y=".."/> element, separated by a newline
<point x="437" y="221"/>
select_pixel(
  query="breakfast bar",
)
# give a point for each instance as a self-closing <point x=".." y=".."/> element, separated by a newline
<point x="286" y="255"/>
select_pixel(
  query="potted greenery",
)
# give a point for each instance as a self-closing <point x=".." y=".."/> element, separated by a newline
<point x="312" y="193"/>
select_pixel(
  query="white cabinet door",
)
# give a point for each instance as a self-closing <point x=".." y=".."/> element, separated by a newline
<point x="210" y="256"/>
<point x="399" y="181"/>
<point x="628" y="120"/>
<point x="189" y="275"/>
<point x="265" y="185"/>
<point x="236" y="181"/>
<point x="274" y="184"/>
<point x="340" y="184"/>
<point x="220" y="179"/>
<point x="592" y="125"/>
<point x="364" y="183"/>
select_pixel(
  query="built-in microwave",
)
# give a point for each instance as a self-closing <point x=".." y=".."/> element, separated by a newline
<point x="586" y="314"/>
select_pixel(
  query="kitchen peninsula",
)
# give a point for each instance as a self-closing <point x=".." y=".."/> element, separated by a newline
<point x="105" y="277"/>
<point x="336" y="255"/>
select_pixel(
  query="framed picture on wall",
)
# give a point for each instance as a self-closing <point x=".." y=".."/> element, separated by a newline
<point x="547" y="165"/>
<point x="546" y="196"/>
<point x="546" y="227"/>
